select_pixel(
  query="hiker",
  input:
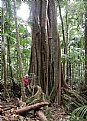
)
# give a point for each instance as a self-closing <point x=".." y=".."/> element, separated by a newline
<point x="26" y="81"/>
<point x="26" y="84"/>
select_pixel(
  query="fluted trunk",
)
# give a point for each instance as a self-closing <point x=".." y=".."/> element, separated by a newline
<point x="44" y="50"/>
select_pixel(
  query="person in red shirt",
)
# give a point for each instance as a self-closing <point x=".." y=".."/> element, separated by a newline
<point x="26" y="85"/>
<point x="26" y="80"/>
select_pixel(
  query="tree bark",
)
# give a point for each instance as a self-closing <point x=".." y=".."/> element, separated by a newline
<point x="63" y="32"/>
<point x="85" y="43"/>
<point x="3" y="50"/>
<point x="54" y="46"/>
<point x="44" y="52"/>
<point x="36" y="106"/>
<point x="9" y="67"/>
<point x="59" y="72"/>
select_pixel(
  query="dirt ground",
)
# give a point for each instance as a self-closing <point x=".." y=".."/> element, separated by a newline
<point x="7" y="112"/>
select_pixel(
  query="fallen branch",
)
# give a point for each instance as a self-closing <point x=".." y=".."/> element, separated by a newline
<point x="36" y="106"/>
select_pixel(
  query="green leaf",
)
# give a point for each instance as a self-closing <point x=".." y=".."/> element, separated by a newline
<point x="21" y="29"/>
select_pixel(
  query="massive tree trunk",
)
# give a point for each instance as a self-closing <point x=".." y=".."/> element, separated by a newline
<point x="44" y="50"/>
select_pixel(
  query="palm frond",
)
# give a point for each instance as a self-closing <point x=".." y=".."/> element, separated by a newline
<point x="80" y="112"/>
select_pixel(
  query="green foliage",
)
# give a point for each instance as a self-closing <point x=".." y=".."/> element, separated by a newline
<point x="74" y="10"/>
<point x="21" y="29"/>
<point x="80" y="113"/>
<point x="10" y="34"/>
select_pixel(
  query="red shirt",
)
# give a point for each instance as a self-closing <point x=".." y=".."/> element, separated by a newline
<point x="25" y="81"/>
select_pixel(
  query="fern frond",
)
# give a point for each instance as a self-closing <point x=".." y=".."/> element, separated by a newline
<point x="80" y="112"/>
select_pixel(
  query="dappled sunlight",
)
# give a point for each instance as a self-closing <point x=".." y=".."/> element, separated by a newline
<point x="23" y="12"/>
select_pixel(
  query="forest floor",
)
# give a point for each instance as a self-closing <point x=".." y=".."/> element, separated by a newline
<point x="7" y="112"/>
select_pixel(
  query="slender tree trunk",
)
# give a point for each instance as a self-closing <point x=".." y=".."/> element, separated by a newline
<point x="69" y="71"/>
<point x="3" y="50"/>
<point x="1" y="63"/>
<point x="65" y="48"/>
<point x="9" y="74"/>
<point x="19" y="53"/>
<point x="59" y="72"/>
<point x="86" y="43"/>
<point x="67" y="62"/>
